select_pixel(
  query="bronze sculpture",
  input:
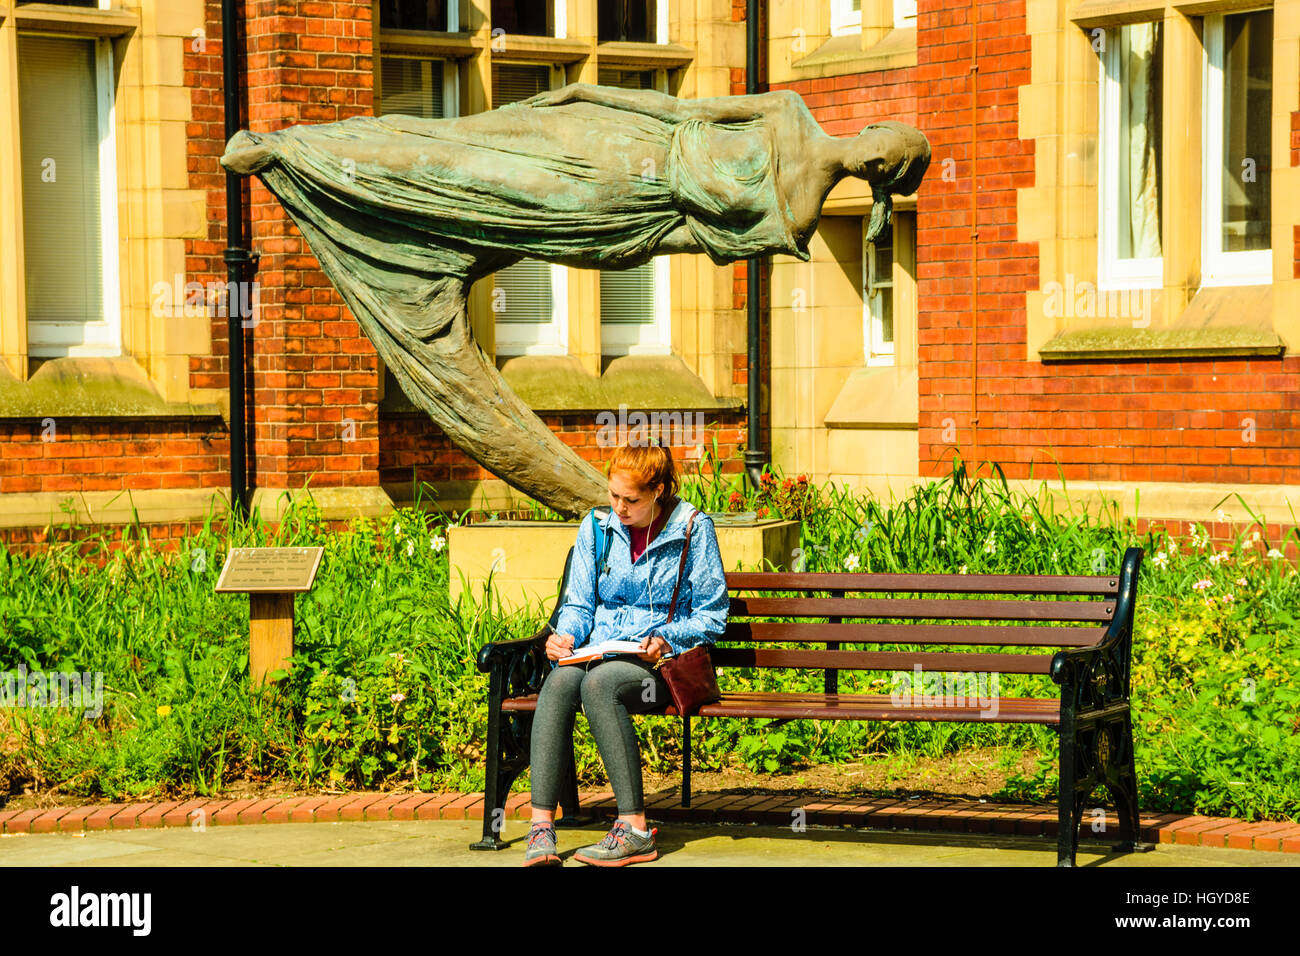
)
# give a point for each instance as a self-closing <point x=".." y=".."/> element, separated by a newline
<point x="405" y="214"/>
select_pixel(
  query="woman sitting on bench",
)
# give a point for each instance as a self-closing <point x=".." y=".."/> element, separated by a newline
<point x="623" y="575"/>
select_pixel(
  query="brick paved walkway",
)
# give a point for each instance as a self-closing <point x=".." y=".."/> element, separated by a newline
<point x="884" y="813"/>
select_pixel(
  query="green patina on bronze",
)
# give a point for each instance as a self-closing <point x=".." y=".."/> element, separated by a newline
<point x="404" y="214"/>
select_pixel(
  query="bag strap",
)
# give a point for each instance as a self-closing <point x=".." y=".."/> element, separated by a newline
<point x="600" y="543"/>
<point x="681" y="568"/>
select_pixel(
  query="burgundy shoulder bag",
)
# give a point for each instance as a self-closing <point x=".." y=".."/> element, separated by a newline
<point x="690" y="677"/>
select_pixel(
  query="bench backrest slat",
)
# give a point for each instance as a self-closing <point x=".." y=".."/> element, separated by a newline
<point x="920" y="608"/>
<point x="1011" y="635"/>
<point x="881" y="660"/>
<point x="1106" y="585"/>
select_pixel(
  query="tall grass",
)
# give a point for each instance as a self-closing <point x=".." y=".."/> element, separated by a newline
<point x="383" y="691"/>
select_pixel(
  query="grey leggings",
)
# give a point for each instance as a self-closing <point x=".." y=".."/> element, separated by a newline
<point x="609" y="691"/>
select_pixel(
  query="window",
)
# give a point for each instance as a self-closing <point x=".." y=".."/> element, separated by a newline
<point x="530" y="299"/>
<point x="537" y="18"/>
<point x="904" y="13"/>
<point x="417" y="87"/>
<point x="846" y="17"/>
<point x="1236" y="222"/>
<point x="69" y="188"/>
<point x="633" y="21"/>
<point x="634" y="303"/>
<point x="878" y="297"/>
<point x="1129" y="248"/>
<point x="439" y="15"/>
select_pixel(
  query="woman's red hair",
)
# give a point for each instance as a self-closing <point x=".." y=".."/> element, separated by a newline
<point x="649" y="465"/>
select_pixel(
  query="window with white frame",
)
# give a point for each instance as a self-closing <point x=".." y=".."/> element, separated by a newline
<point x="878" y="297"/>
<point x="69" y="192"/>
<point x="530" y="299"/>
<point x="846" y="17"/>
<point x="1130" y="147"/>
<point x="415" y="86"/>
<point x="1236" y="243"/>
<point x="634" y="303"/>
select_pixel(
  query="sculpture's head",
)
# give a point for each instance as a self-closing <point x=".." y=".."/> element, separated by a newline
<point x="893" y="157"/>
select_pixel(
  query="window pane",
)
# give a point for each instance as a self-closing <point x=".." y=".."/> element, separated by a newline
<point x="1138" y="139"/>
<point x="1247" y="140"/>
<point x="59" y="125"/>
<point x="882" y="307"/>
<point x="523" y="289"/>
<point x="510" y="83"/>
<point x="631" y="21"/>
<point x="627" y="296"/>
<point x="526" y="17"/>
<point x="410" y="87"/>
<point x="413" y="14"/>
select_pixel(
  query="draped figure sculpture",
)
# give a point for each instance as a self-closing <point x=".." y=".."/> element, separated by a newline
<point x="405" y="214"/>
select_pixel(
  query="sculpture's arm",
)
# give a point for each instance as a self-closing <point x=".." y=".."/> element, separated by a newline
<point x="670" y="109"/>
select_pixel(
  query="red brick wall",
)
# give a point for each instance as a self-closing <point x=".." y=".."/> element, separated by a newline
<point x="1141" y="420"/>
<point x="411" y="447"/>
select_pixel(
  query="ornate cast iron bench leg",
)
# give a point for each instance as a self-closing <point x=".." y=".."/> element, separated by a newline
<point x="507" y="756"/>
<point x="1121" y="781"/>
<point x="1069" y="800"/>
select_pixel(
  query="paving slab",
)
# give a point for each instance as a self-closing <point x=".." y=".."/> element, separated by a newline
<point x="446" y="843"/>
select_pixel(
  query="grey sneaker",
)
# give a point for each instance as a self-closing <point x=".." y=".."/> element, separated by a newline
<point x="620" y="847"/>
<point x="541" y="846"/>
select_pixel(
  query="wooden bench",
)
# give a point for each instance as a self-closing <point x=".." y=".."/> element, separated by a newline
<point x="1090" y="618"/>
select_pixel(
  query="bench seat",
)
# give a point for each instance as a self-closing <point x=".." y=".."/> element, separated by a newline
<point x="787" y="706"/>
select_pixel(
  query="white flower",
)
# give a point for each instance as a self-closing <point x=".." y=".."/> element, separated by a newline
<point x="397" y="698"/>
<point x="1254" y="536"/>
<point x="1241" y="582"/>
<point x="1228" y="596"/>
<point x="410" y="548"/>
<point x="991" y="545"/>
<point x="1217" y="559"/>
<point x="1222" y="516"/>
<point x="1053" y="555"/>
<point x="962" y="569"/>
<point x="438" y="542"/>
<point x="1172" y="546"/>
<point x="1160" y="559"/>
<point x="397" y="529"/>
<point x="1202" y="584"/>
<point x="1274" y="553"/>
<point x="851" y="563"/>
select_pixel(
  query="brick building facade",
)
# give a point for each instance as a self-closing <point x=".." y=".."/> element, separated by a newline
<point x="1201" y="400"/>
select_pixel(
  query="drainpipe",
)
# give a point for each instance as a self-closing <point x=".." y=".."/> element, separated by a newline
<point x="755" y="457"/>
<point x="238" y="265"/>
<point x="974" y="241"/>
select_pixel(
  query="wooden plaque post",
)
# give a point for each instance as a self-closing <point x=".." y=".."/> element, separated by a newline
<point x="271" y="577"/>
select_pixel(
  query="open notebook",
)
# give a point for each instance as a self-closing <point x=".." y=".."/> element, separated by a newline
<point x="597" y="651"/>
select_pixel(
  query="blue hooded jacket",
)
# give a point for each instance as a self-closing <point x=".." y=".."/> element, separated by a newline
<point x="630" y="607"/>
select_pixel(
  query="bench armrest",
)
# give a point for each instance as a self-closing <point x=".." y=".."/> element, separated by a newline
<point x="517" y="666"/>
<point x="1096" y="677"/>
